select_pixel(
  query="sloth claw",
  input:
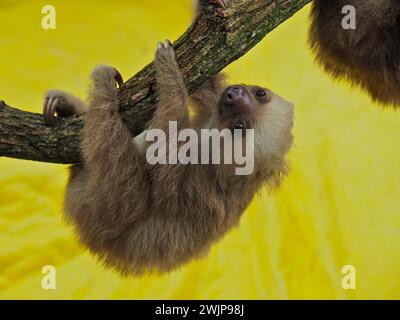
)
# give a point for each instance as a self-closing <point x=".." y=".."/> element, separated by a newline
<point x="165" y="52"/>
<point x="56" y="105"/>
<point x="118" y="78"/>
<point x="49" y="109"/>
<point x="164" y="46"/>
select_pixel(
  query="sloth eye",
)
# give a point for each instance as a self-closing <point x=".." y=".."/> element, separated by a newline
<point x="238" y="125"/>
<point x="260" y="93"/>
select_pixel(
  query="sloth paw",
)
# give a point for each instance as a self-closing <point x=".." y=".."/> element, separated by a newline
<point x="56" y="105"/>
<point x="165" y="50"/>
<point x="165" y="54"/>
<point x="104" y="73"/>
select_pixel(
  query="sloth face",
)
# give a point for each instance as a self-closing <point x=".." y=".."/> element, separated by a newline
<point x="253" y="107"/>
<point x="240" y="105"/>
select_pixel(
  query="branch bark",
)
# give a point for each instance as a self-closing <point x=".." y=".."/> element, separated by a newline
<point x="209" y="45"/>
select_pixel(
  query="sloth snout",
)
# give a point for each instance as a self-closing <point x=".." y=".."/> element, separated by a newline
<point x="236" y="99"/>
<point x="233" y="94"/>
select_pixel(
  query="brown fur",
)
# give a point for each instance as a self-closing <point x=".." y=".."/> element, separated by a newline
<point x="368" y="56"/>
<point x="137" y="217"/>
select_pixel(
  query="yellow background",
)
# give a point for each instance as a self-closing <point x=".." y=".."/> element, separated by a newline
<point x="340" y="204"/>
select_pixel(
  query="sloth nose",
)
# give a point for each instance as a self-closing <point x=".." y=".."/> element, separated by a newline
<point x="236" y="99"/>
<point x="233" y="95"/>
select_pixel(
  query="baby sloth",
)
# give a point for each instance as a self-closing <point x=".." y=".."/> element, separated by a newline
<point x="137" y="217"/>
<point x="369" y="55"/>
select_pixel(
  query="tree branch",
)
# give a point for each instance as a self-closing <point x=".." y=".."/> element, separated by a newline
<point x="209" y="45"/>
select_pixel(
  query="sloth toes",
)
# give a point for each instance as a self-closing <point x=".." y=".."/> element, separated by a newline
<point x="165" y="52"/>
<point x="164" y="46"/>
<point x="55" y="105"/>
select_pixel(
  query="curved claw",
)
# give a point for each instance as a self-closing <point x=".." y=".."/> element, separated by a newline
<point x="164" y="45"/>
<point x="49" y="110"/>
<point x="118" y="78"/>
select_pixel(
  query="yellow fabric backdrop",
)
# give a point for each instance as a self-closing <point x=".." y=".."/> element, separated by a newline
<point x="340" y="205"/>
